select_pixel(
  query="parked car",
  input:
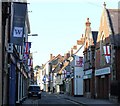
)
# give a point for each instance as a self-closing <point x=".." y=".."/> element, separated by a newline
<point x="34" y="91"/>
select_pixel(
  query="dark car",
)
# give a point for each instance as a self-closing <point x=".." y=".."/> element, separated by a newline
<point x="34" y="91"/>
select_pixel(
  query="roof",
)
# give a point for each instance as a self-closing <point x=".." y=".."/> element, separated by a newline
<point x="53" y="58"/>
<point x="114" y="20"/>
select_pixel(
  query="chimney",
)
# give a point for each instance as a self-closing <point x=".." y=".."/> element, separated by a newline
<point x="68" y="55"/>
<point x="88" y="28"/>
<point x="82" y="35"/>
<point x="75" y="47"/>
<point x="51" y="55"/>
<point x="87" y="23"/>
<point x="42" y="65"/>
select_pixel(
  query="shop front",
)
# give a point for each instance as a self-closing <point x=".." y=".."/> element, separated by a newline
<point x="89" y="83"/>
<point x="102" y="78"/>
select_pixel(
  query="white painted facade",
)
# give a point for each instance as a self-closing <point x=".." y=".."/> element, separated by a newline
<point x="78" y="75"/>
<point x="78" y="81"/>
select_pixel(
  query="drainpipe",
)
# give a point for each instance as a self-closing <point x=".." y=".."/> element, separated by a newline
<point x="1" y="53"/>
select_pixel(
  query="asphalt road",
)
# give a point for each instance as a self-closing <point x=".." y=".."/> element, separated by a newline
<point x="49" y="99"/>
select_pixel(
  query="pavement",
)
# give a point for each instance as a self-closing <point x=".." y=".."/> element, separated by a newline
<point x="90" y="102"/>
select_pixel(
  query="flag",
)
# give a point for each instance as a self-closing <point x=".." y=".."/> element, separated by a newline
<point x="27" y="46"/>
<point x="106" y="50"/>
<point x="79" y="61"/>
<point x="29" y="68"/>
<point x="30" y="62"/>
<point x="18" y="17"/>
<point x="25" y="57"/>
<point x="63" y="73"/>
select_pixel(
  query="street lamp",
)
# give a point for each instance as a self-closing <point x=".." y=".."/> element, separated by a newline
<point x="32" y="34"/>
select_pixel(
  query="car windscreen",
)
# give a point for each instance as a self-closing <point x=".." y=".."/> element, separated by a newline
<point x="34" y="88"/>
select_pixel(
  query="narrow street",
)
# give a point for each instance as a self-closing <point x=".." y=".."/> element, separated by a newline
<point x="64" y="52"/>
<point x="49" y="98"/>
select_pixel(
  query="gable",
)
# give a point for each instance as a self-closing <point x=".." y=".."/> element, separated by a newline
<point x="104" y="26"/>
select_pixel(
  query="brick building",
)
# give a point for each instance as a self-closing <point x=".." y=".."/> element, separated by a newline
<point x="89" y="67"/>
<point x="107" y="54"/>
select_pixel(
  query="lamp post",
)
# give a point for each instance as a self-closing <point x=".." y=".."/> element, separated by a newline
<point x="32" y="34"/>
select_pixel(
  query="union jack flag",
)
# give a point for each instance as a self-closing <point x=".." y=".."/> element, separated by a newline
<point x="30" y="62"/>
<point x="27" y="46"/>
<point x="25" y="57"/>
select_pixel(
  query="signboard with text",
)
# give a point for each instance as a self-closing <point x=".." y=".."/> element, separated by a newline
<point x="18" y="17"/>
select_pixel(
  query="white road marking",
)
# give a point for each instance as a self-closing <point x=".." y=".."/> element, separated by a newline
<point x="72" y="101"/>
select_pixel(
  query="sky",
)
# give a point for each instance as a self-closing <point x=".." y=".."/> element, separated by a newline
<point x="60" y="23"/>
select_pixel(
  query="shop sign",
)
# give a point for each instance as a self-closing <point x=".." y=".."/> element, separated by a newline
<point x="88" y="72"/>
<point x="87" y="76"/>
<point x="102" y="71"/>
<point x="18" y="22"/>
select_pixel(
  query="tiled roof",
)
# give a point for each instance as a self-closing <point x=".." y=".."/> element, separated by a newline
<point x="114" y="19"/>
